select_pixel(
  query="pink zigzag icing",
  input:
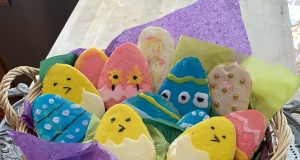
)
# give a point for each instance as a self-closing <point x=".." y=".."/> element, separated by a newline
<point x="246" y="128"/>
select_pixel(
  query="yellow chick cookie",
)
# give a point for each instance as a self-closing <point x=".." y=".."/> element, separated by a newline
<point x="212" y="139"/>
<point x="69" y="83"/>
<point x="122" y="132"/>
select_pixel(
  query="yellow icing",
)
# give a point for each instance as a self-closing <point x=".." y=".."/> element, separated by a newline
<point x="198" y="81"/>
<point x="182" y="148"/>
<point x="92" y="103"/>
<point x="135" y="73"/>
<point x="240" y="155"/>
<point x="203" y="137"/>
<point x="66" y="81"/>
<point x="152" y="101"/>
<point x="111" y="130"/>
<point x="113" y="73"/>
<point x="129" y="149"/>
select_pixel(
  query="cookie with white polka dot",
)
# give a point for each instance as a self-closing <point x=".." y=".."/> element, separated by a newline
<point x="58" y="120"/>
<point x="192" y="118"/>
<point x="230" y="88"/>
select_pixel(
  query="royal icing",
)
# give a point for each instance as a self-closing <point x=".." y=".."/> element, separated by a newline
<point x="159" y="47"/>
<point x="230" y="88"/>
<point x="250" y="127"/>
<point x="182" y="148"/>
<point x="59" y="121"/>
<point x="140" y="149"/>
<point x="186" y="86"/>
<point x="120" y="122"/>
<point x="125" y="74"/>
<point x="68" y="82"/>
<point x="216" y="136"/>
<point x="192" y="118"/>
<point x="151" y="105"/>
<point x="92" y="103"/>
<point x="90" y="63"/>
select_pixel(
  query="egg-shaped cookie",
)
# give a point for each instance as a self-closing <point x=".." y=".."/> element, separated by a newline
<point x="250" y="126"/>
<point x="192" y="118"/>
<point x="123" y="133"/>
<point x="230" y="88"/>
<point x="151" y="105"/>
<point x="69" y="83"/>
<point x="90" y="63"/>
<point x="186" y="86"/>
<point x="125" y="74"/>
<point x="211" y="139"/>
<point x="58" y="120"/>
<point x="159" y="47"/>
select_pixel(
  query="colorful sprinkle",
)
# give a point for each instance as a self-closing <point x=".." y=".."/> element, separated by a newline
<point x="38" y="112"/>
<point x="65" y="113"/>
<point x="47" y="126"/>
<point x="69" y="136"/>
<point x="55" y="120"/>
<point x="85" y="122"/>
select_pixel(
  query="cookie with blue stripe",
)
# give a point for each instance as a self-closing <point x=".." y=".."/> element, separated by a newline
<point x="58" y="120"/>
<point x="151" y="105"/>
<point x="186" y="86"/>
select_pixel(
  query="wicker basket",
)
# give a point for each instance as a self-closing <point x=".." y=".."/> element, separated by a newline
<point x="278" y="123"/>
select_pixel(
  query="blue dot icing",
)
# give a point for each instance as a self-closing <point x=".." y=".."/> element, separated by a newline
<point x="58" y="122"/>
<point x="192" y="118"/>
<point x="198" y="94"/>
<point x="148" y="110"/>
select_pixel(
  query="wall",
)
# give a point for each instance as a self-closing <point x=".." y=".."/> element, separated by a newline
<point x="29" y="28"/>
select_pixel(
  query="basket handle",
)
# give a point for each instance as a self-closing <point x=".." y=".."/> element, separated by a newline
<point x="12" y="117"/>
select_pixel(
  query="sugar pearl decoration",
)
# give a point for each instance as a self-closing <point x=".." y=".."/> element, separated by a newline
<point x="224" y="90"/>
<point x="230" y="75"/>
<point x="212" y="85"/>
<point x="193" y="113"/>
<point x="235" y="96"/>
<point x="233" y="108"/>
<point x="242" y="81"/>
<point x="217" y="104"/>
<point x="216" y="76"/>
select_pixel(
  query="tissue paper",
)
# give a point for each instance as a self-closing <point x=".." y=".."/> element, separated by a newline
<point x="218" y="21"/>
<point x="40" y="149"/>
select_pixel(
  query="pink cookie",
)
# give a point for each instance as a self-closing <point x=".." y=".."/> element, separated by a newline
<point x="90" y="63"/>
<point x="250" y="126"/>
<point x="126" y="73"/>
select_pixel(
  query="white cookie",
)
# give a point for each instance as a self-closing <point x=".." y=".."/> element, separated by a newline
<point x="230" y="88"/>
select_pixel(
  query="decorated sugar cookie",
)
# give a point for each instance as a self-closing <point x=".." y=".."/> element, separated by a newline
<point x="126" y="73"/>
<point x="58" y="120"/>
<point x="192" y="118"/>
<point x="230" y="88"/>
<point x="211" y="139"/>
<point x="123" y="133"/>
<point x="90" y="63"/>
<point x="69" y="83"/>
<point x="250" y="126"/>
<point x="151" y="105"/>
<point x="158" y="46"/>
<point x="186" y="86"/>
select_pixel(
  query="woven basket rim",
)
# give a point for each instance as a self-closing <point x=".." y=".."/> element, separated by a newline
<point x="278" y="122"/>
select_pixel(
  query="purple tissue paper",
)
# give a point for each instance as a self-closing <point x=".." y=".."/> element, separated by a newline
<point x="77" y="51"/>
<point x="37" y="149"/>
<point x="26" y="115"/>
<point x="217" y="21"/>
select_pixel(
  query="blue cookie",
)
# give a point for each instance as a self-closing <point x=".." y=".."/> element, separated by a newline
<point x="58" y="120"/>
<point x="150" y="105"/>
<point x="192" y="118"/>
<point x="186" y="86"/>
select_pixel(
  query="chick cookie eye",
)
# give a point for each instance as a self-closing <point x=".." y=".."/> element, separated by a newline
<point x="166" y="94"/>
<point x="115" y="78"/>
<point x="135" y="77"/>
<point x="200" y="100"/>
<point x="183" y="97"/>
